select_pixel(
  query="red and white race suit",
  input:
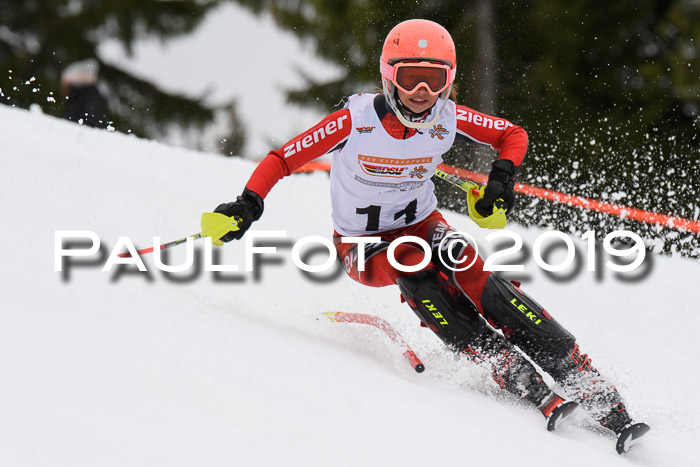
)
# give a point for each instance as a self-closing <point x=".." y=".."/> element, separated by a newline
<point x="381" y="172"/>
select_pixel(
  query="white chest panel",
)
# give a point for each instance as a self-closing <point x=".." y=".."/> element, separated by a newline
<point x="381" y="183"/>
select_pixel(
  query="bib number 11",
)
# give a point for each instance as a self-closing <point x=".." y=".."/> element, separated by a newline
<point x="373" y="212"/>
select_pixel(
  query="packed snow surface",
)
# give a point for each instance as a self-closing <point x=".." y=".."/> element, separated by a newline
<point x="200" y="368"/>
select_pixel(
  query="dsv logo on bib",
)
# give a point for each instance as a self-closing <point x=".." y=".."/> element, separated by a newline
<point x="392" y="167"/>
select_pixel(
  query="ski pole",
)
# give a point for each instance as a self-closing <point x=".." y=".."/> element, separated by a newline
<point x="214" y="225"/>
<point x="465" y="185"/>
<point x="163" y="246"/>
<point x="474" y="193"/>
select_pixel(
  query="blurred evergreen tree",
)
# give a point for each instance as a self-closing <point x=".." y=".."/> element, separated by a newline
<point x="38" y="38"/>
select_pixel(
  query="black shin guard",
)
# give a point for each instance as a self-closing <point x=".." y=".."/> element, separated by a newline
<point x="428" y="295"/>
<point x="460" y="326"/>
<point x="525" y="323"/>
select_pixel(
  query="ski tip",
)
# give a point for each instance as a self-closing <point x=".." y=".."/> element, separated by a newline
<point x="630" y="435"/>
<point x="332" y="315"/>
<point x="420" y="368"/>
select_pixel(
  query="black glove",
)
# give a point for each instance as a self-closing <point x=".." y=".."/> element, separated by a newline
<point x="500" y="186"/>
<point x="246" y="209"/>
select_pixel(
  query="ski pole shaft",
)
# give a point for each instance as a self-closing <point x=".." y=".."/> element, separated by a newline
<point x="163" y="246"/>
<point x="379" y="323"/>
<point x="465" y="185"/>
<point x="214" y="225"/>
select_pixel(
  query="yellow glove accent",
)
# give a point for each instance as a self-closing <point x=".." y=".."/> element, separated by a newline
<point x="216" y="225"/>
<point x="497" y="220"/>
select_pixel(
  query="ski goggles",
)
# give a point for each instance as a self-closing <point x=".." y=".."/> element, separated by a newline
<point x="409" y="76"/>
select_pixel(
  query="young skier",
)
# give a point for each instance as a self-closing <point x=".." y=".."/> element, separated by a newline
<point x="385" y="148"/>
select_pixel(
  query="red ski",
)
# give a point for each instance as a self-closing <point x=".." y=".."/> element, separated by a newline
<point x="361" y="318"/>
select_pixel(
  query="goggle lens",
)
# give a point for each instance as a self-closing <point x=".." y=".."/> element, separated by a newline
<point x="410" y="77"/>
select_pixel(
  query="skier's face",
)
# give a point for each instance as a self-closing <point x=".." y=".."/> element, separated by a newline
<point x="419" y="101"/>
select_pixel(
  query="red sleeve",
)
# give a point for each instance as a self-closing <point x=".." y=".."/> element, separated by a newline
<point x="509" y="140"/>
<point x="314" y="142"/>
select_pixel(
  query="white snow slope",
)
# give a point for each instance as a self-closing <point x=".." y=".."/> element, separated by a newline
<point x="99" y="369"/>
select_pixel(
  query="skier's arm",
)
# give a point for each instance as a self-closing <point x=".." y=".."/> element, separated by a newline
<point x="508" y="139"/>
<point x="318" y="140"/>
<point x="329" y="134"/>
<point x="511" y="143"/>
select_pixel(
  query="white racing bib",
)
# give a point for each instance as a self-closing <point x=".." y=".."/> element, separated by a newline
<point x="381" y="183"/>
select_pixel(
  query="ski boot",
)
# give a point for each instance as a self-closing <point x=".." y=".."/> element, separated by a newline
<point x="556" y="410"/>
<point x="628" y="431"/>
<point x="550" y="404"/>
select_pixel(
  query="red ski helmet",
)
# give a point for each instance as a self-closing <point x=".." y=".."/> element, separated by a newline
<point x="419" y="39"/>
<point x="423" y="43"/>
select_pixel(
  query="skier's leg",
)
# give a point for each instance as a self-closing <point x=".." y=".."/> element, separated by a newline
<point x="526" y="324"/>
<point x="467" y="332"/>
<point x="429" y="296"/>
<point x="445" y="311"/>
<point x="455" y="321"/>
<point x="529" y="326"/>
<point x="514" y="373"/>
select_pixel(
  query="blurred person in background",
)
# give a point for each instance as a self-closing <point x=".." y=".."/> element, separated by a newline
<point x="85" y="105"/>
